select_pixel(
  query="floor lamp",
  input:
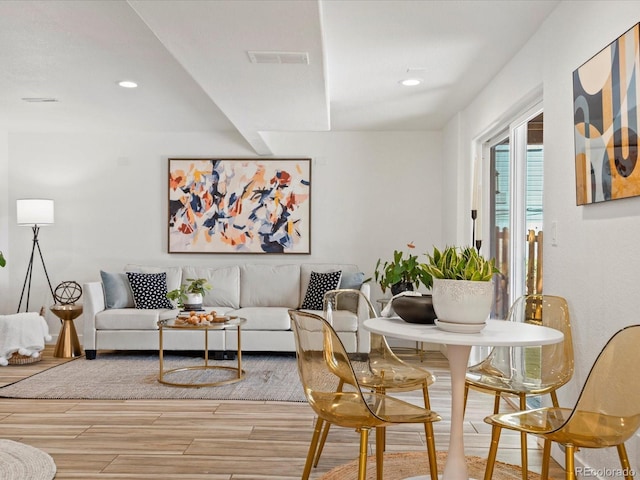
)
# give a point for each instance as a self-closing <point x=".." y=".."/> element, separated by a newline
<point x="34" y="213"/>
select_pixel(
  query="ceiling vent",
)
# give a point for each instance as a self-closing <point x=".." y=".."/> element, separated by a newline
<point x="279" y="57"/>
<point x="40" y="99"/>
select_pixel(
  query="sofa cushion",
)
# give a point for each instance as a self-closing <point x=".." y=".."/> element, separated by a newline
<point x="319" y="284"/>
<point x="264" y="318"/>
<point x="117" y="291"/>
<point x="341" y="321"/>
<point x="224" y="280"/>
<point x="269" y="286"/>
<point x="174" y="274"/>
<point x="220" y="311"/>
<point x="149" y="290"/>
<point x="131" y="319"/>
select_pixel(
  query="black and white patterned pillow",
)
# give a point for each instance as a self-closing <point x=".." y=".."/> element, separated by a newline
<point x="319" y="284"/>
<point x="149" y="290"/>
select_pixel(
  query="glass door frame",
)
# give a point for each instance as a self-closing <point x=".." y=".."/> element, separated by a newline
<point x="516" y="132"/>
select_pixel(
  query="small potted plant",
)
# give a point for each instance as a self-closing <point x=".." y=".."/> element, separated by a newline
<point x="402" y="273"/>
<point x="190" y="295"/>
<point x="462" y="284"/>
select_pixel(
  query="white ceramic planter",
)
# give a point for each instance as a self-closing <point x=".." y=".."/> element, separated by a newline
<point x="462" y="301"/>
<point x="193" y="299"/>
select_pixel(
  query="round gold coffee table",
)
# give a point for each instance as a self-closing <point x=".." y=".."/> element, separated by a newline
<point x="239" y="373"/>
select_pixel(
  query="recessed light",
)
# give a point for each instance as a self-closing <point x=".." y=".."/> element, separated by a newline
<point x="127" y="84"/>
<point x="411" y="82"/>
<point x="40" y="99"/>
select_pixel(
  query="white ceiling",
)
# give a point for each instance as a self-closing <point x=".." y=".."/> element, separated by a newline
<point x="191" y="62"/>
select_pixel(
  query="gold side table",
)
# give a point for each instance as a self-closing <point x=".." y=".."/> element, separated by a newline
<point x="68" y="345"/>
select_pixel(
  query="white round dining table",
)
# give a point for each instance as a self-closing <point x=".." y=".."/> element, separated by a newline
<point x="496" y="333"/>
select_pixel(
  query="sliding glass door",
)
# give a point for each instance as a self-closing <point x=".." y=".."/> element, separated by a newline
<point x="516" y="158"/>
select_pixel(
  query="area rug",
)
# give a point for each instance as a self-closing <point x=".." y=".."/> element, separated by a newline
<point x="402" y="465"/>
<point x="115" y="376"/>
<point x="21" y="462"/>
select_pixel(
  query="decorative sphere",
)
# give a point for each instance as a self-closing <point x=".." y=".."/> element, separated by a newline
<point x="67" y="293"/>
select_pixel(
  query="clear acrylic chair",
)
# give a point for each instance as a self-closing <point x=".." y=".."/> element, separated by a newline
<point x="320" y="354"/>
<point x="606" y="414"/>
<point x="528" y="371"/>
<point x="383" y="371"/>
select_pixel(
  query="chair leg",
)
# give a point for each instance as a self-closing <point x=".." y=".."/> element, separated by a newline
<point x="430" y="436"/>
<point x="546" y="459"/>
<point x="523" y="442"/>
<point x="362" y="459"/>
<point x="383" y="438"/>
<point x="323" y="439"/>
<point x="312" y="448"/>
<point x="493" y="451"/>
<point x="496" y="402"/>
<point x="325" y="432"/>
<point x="554" y="398"/>
<point x="380" y="434"/>
<point x="624" y="461"/>
<point x="466" y="395"/>
<point x="570" y="462"/>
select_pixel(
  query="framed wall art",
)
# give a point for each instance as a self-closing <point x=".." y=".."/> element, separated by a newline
<point x="606" y="120"/>
<point x="240" y="206"/>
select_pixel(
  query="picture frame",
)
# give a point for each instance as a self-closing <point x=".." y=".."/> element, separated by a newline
<point x="606" y="89"/>
<point x="250" y="206"/>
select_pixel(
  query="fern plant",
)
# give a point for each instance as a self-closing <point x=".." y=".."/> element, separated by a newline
<point x="458" y="263"/>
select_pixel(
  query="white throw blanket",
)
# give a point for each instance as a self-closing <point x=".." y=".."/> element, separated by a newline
<point x="22" y="333"/>
<point x="388" y="311"/>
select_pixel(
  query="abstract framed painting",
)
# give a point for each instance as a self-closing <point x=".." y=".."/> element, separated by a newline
<point x="256" y="206"/>
<point x="606" y="120"/>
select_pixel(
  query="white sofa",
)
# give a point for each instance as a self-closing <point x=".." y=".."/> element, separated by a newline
<point x="262" y="294"/>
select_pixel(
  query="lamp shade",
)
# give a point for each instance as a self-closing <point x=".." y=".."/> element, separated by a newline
<point x="34" y="211"/>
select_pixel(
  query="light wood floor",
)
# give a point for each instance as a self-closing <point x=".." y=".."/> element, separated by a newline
<point x="217" y="440"/>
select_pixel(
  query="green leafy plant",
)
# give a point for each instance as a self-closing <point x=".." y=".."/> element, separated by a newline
<point x="458" y="263"/>
<point x="195" y="285"/>
<point x="3" y="262"/>
<point x="402" y="269"/>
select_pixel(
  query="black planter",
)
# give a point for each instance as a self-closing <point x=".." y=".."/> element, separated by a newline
<point x="400" y="287"/>
<point x="415" y="309"/>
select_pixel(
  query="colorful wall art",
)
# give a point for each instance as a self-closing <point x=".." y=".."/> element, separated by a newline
<point x="239" y="205"/>
<point x="605" y="108"/>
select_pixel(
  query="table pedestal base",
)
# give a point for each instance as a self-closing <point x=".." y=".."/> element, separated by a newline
<point x="456" y="466"/>
<point x="67" y="345"/>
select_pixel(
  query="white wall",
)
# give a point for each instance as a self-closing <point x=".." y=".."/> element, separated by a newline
<point x="371" y="193"/>
<point x="595" y="263"/>
<point x="4" y="220"/>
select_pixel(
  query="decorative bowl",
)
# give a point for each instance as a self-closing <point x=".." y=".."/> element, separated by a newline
<point x="414" y="309"/>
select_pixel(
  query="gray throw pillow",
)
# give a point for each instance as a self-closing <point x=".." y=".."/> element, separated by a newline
<point x="351" y="280"/>
<point x="117" y="292"/>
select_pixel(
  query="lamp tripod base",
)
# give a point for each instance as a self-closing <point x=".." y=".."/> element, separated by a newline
<point x="27" y="279"/>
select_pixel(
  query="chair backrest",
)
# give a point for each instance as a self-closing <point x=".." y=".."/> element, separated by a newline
<point x="540" y="367"/>
<point x="608" y="408"/>
<point x="320" y="354"/>
<point x="554" y="362"/>
<point x="380" y="353"/>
